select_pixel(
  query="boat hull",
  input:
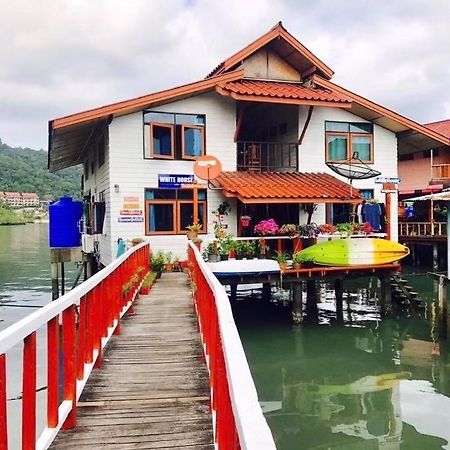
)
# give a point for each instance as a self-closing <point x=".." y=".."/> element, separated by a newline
<point x="354" y="252"/>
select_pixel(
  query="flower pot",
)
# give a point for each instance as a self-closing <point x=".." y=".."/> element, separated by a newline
<point x="245" y="222"/>
<point x="168" y="267"/>
<point x="145" y="290"/>
<point x="212" y="257"/>
<point x="191" y="235"/>
<point x="296" y="266"/>
<point x="283" y="266"/>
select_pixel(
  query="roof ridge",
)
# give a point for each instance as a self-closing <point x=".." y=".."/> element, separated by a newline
<point x="437" y="121"/>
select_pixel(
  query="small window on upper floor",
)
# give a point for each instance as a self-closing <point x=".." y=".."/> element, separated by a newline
<point x="346" y="140"/>
<point x="174" y="136"/>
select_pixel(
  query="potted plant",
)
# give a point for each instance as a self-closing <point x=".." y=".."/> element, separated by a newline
<point x="308" y="231"/>
<point x="289" y="229"/>
<point x="126" y="289"/>
<point x="210" y="253"/>
<point x="282" y="258"/>
<point x="245" y="221"/>
<point x="136" y="241"/>
<point x="266" y="228"/>
<point x="140" y="272"/>
<point x="345" y="229"/>
<point x="261" y="249"/>
<point x="222" y="210"/>
<point x="176" y="263"/>
<point x="326" y="228"/>
<point x="157" y="263"/>
<point x="168" y="264"/>
<point x="296" y="260"/>
<point x="193" y="230"/>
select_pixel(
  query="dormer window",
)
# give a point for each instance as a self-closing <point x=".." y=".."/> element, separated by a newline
<point x="174" y="136"/>
<point x="344" y="139"/>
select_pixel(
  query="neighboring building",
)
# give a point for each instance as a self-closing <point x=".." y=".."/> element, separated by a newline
<point x="270" y="114"/>
<point x="425" y="171"/>
<point x="20" y="199"/>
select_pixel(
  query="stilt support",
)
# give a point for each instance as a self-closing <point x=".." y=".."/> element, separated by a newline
<point x="297" y="304"/>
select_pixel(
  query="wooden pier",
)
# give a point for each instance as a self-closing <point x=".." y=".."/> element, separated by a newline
<point x="153" y="389"/>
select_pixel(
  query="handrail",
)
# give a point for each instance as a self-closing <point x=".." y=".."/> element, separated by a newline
<point x="101" y="306"/>
<point x="422" y="229"/>
<point x="238" y="418"/>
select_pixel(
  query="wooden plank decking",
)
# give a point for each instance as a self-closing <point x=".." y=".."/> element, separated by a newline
<point x="153" y="389"/>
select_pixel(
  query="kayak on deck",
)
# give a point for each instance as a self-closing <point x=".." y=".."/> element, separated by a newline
<point x="354" y="252"/>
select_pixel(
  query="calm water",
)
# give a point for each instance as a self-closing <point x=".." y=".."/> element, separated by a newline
<point x="24" y="287"/>
<point x="363" y="384"/>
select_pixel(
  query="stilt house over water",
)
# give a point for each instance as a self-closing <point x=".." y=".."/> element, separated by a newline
<point x="270" y="113"/>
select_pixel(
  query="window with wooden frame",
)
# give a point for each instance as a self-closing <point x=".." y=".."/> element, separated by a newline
<point x="174" y="136"/>
<point x="170" y="211"/>
<point x="346" y="140"/>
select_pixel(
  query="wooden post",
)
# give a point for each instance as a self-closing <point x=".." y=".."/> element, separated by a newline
<point x="442" y="299"/>
<point x="297" y="304"/>
<point x="54" y="276"/>
<point x="388" y="215"/>
<point x="435" y="257"/>
<point x="195" y="205"/>
<point x="339" y="293"/>
<point x="267" y="292"/>
<point x="311" y="303"/>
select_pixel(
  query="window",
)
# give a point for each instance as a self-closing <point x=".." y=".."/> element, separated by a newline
<point x="86" y="170"/>
<point x="366" y="194"/>
<point x="174" y="136"/>
<point x="345" y="139"/>
<point x="170" y="211"/>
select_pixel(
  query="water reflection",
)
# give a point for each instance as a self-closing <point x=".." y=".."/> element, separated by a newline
<point x="358" y="383"/>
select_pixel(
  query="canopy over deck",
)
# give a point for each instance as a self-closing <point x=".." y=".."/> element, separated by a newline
<point x="286" y="187"/>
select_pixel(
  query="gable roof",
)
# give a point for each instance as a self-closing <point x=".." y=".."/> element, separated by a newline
<point x="412" y="134"/>
<point x="441" y="127"/>
<point x="287" y="46"/>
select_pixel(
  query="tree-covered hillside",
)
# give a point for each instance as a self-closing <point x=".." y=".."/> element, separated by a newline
<point x="25" y="170"/>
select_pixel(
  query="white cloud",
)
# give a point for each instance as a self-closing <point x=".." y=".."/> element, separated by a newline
<point x="64" y="56"/>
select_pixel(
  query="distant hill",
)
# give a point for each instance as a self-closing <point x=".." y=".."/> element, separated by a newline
<point x="25" y="170"/>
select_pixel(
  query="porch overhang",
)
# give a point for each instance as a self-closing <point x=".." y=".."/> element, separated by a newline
<point x="293" y="93"/>
<point x="286" y="187"/>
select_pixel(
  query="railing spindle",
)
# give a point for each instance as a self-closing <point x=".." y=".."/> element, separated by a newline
<point x="69" y="365"/>
<point x="3" y="408"/>
<point x="29" y="393"/>
<point x="52" y="372"/>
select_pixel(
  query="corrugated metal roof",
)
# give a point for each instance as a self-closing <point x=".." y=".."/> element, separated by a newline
<point x="270" y="187"/>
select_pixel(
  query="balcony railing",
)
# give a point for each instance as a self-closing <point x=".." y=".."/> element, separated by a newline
<point x="267" y="156"/>
<point x="420" y="229"/>
<point x="440" y="171"/>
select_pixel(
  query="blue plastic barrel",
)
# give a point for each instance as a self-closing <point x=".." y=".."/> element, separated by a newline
<point x="64" y="216"/>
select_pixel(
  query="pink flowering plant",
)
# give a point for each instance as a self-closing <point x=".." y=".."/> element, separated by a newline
<point x="266" y="228"/>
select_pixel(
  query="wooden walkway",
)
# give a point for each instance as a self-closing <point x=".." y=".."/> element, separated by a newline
<point x="153" y="389"/>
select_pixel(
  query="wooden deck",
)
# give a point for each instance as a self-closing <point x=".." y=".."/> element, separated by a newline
<point x="153" y="389"/>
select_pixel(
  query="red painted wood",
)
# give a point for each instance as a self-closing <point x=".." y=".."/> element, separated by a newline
<point x="29" y="393"/>
<point x="3" y="409"/>
<point x="52" y="372"/>
<point x="89" y="346"/>
<point x="69" y="364"/>
<point x="81" y="339"/>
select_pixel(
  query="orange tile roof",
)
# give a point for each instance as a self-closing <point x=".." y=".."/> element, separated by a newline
<point x="286" y="187"/>
<point x="441" y="127"/>
<point x="266" y="90"/>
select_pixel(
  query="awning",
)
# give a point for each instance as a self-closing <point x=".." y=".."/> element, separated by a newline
<point x="439" y="196"/>
<point x="286" y="187"/>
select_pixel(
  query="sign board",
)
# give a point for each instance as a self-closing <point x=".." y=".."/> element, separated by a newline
<point x="169" y="181"/>
<point x="381" y="180"/>
<point x="130" y="219"/>
<point x="389" y="188"/>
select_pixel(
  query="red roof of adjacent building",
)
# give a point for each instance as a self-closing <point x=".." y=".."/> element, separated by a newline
<point x="12" y="195"/>
<point x="289" y="187"/>
<point x="31" y="195"/>
<point x="441" y="127"/>
<point x="291" y="92"/>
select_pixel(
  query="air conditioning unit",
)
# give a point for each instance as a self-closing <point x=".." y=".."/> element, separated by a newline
<point x="87" y="243"/>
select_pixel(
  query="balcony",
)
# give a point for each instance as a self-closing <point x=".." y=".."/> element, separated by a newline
<point x="440" y="171"/>
<point x="267" y="156"/>
<point x="422" y="229"/>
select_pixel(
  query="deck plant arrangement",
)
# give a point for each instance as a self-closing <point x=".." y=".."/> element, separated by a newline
<point x="168" y="261"/>
<point x="148" y="282"/>
<point x="157" y="263"/>
<point x="193" y="230"/>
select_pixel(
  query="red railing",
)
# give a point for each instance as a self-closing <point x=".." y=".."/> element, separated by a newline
<point x="237" y="416"/>
<point x="89" y="315"/>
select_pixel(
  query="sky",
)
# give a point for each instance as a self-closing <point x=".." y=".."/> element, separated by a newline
<point x="59" y="57"/>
